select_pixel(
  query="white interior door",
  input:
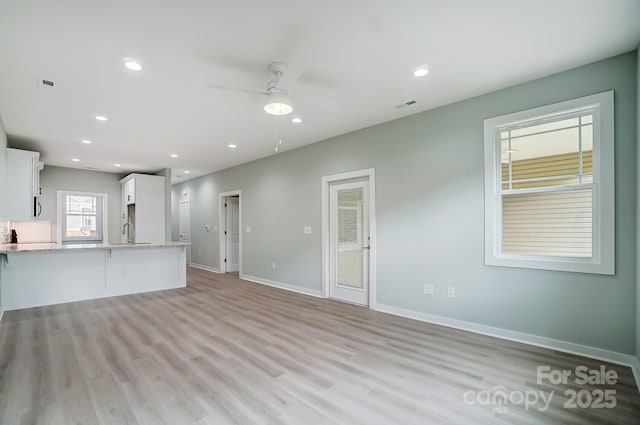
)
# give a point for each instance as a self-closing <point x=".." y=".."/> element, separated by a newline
<point x="233" y="234"/>
<point x="185" y="226"/>
<point x="349" y="242"/>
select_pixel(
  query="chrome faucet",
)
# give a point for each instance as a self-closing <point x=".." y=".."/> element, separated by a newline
<point x="127" y="228"/>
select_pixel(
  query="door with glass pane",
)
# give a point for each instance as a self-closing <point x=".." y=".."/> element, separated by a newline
<point x="232" y="232"/>
<point x="349" y="242"/>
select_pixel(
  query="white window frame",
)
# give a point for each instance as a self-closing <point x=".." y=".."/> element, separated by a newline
<point x="603" y="258"/>
<point x="62" y="214"/>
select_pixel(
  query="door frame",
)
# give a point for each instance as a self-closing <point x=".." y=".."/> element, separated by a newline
<point x="188" y="248"/>
<point x="222" y="225"/>
<point x="229" y="229"/>
<point x="369" y="173"/>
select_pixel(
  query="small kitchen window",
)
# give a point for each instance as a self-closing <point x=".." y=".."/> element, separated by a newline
<point x="82" y="216"/>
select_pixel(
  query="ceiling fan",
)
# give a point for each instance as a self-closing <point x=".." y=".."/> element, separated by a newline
<point x="278" y="101"/>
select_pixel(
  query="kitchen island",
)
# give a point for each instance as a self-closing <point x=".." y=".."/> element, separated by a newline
<point x="33" y="275"/>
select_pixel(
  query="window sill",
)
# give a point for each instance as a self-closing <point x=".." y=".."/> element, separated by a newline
<point x="562" y="264"/>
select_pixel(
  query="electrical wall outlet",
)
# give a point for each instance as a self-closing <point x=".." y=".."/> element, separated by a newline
<point x="215" y="228"/>
<point x="248" y="229"/>
<point x="273" y="265"/>
<point x="451" y="292"/>
<point x="427" y="289"/>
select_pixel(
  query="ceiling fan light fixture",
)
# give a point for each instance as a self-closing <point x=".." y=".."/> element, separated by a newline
<point x="278" y="104"/>
<point x="421" y="71"/>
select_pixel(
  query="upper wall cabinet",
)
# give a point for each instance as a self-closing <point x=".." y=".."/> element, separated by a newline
<point x="23" y="184"/>
<point x="143" y="209"/>
<point x="130" y="191"/>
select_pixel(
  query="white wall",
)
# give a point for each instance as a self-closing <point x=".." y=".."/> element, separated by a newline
<point x="166" y="173"/>
<point x="3" y="193"/>
<point x="3" y="171"/>
<point x="53" y="179"/>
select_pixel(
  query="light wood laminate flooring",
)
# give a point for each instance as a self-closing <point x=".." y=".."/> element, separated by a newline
<point x="225" y="351"/>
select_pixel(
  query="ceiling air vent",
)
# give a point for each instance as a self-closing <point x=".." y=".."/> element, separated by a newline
<point x="404" y="105"/>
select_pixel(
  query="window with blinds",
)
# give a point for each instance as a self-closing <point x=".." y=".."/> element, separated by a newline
<point x="549" y="187"/>
<point x="546" y="186"/>
<point x="350" y="238"/>
<point x="81" y="217"/>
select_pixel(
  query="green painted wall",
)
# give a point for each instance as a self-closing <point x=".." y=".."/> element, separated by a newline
<point x="53" y="179"/>
<point x="430" y="215"/>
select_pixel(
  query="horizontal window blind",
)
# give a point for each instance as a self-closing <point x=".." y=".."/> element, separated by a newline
<point x="350" y="253"/>
<point x="548" y="223"/>
<point x="549" y="187"/>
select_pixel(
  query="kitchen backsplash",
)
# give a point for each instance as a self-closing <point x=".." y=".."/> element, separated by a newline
<point x="28" y="231"/>
<point x="4" y="231"/>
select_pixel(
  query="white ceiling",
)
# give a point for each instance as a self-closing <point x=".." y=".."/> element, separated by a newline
<point x="353" y="62"/>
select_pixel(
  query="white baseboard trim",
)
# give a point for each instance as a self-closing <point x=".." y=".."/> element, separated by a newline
<point x="285" y="286"/>
<point x="1" y="312"/>
<point x="538" y="341"/>
<point x="203" y="267"/>
<point x="525" y="338"/>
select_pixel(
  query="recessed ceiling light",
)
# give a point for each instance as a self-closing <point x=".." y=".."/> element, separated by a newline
<point x="87" y="142"/>
<point x="116" y="165"/>
<point x="101" y="118"/>
<point x="134" y="66"/>
<point x="232" y="146"/>
<point x="296" y="120"/>
<point x="421" y="72"/>
<point x="174" y="155"/>
<point x="187" y="171"/>
<point x="75" y="159"/>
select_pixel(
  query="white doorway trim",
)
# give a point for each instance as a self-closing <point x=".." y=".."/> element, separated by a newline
<point x="181" y="238"/>
<point x="326" y="246"/>
<point x="222" y="225"/>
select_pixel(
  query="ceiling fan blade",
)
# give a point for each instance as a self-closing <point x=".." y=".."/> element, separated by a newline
<point x="295" y="70"/>
<point x="236" y="89"/>
<point x="319" y="99"/>
<point x="325" y="105"/>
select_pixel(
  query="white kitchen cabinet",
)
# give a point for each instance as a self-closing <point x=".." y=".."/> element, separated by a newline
<point x="130" y="192"/>
<point x="143" y="209"/>
<point x="23" y="185"/>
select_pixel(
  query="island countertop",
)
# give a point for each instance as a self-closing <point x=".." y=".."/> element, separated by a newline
<point x="37" y="274"/>
<point x="52" y="246"/>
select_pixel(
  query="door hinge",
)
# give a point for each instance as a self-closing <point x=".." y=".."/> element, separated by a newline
<point x="225" y="232"/>
<point x="225" y="205"/>
<point x="225" y="260"/>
